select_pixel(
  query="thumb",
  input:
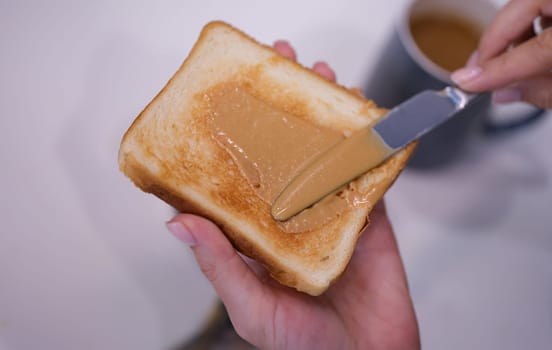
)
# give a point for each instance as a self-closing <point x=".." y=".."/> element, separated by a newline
<point x="537" y="91"/>
<point x="236" y="284"/>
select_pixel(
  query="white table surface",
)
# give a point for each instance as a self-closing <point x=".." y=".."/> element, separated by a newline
<point x="85" y="260"/>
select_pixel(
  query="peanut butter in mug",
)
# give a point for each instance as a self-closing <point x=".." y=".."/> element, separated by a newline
<point x="270" y="147"/>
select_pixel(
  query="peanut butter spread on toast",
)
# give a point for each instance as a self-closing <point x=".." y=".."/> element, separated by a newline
<point x="271" y="147"/>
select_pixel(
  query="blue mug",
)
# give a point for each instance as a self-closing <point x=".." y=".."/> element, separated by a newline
<point x="404" y="70"/>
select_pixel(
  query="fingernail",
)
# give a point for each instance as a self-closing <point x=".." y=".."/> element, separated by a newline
<point x="181" y="232"/>
<point x="507" y="95"/>
<point x="324" y="70"/>
<point x="466" y="74"/>
<point x="281" y="42"/>
<point x="472" y="61"/>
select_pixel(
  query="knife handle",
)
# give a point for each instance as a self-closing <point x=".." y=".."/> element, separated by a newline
<point x="459" y="97"/>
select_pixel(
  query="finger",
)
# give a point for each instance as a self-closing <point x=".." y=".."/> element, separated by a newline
<point x="376" y="269"/>
<point x="324" y="70"/>
<point x="527" y="34"/>
<point x="378" y="235"/>
<point x="534" y="57"/>
<point x="258" y="269"/>
<point x="537" y="91"/>
<point x="376" y="256"/>
<point x="234" y="282"/>
<point x="472" y="61"/>
<point x="511" y="22"/>
<point x="285" y="49"/>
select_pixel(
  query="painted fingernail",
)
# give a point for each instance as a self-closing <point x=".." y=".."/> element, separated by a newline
<point x="281" y="43"/>
<point x="466" y="74"/>
<point x="285" y="49"/>
<point x="472" y="61"/>
<point x="507" y="95"/>
<point x="181" y="232"/>
<point x="324" y="69"/>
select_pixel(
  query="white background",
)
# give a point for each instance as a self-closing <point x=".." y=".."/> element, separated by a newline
<point x="85" y="261"/>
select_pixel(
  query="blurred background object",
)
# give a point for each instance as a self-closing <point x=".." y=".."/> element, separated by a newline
<point x="433" y="38"/>
<point x="85" y="260"/>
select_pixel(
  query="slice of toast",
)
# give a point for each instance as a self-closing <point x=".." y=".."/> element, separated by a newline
<point x="169" y="151"/>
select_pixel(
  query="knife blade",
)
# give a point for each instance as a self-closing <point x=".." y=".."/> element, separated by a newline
<point x="369" y="147"/>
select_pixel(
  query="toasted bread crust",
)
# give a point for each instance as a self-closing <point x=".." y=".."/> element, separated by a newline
<point x="232" y="204"/>
<point x="354" y="93"/>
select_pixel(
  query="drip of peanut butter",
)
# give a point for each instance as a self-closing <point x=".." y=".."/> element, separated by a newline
<point x="271" y="147"/>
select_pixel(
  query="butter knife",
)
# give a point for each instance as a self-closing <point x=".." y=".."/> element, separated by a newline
<point x="369" y="147"/>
